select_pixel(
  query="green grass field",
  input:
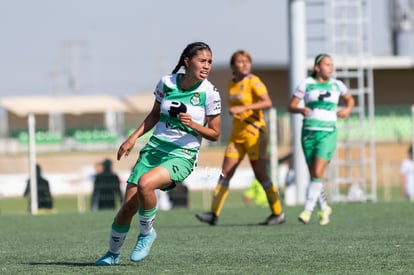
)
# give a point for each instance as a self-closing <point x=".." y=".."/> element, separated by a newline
<point x="363" y="238"/>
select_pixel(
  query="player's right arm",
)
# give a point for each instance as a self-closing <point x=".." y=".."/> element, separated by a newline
<point x="149" y="122"/>
<point x="297" y="97"/>
<point x="295" y="109"/>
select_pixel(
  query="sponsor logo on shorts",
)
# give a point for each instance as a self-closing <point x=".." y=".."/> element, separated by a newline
<point x="188" y="152"/>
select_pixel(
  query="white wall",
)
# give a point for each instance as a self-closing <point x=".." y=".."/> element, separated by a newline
<point x="203" y="178"/>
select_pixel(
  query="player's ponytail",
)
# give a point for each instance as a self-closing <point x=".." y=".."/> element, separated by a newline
<point x="189" y="52"/>
<point x="179" y="64"/>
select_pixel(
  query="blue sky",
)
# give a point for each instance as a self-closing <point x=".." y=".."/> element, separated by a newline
<point x="124" y="47"/>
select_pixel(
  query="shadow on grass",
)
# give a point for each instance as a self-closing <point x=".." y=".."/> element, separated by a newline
<point x="219" y="225"/>
<point x="61" y="264"/>
<point x="249" y="224"/>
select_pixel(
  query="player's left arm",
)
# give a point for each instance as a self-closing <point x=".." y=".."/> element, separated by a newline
<point x="349" y="103"/>
<point x="263" y="101"/>
<point x="212" y="129"/>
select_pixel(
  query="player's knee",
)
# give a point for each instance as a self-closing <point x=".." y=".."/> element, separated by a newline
<point x="146" y="185"/>
<point x="144" y="188"/>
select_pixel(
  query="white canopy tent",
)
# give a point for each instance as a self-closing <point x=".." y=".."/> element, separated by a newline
<point x="25" y="105"/>
<point x="56" y="107"/>
<point x="141" y="103"/>
<point x="35" y="105"/>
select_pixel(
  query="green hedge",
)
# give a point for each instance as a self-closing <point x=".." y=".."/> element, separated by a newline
<point x="41" y="137"/>
<point x="391" y="124"/>
<point x="95" y="136"/>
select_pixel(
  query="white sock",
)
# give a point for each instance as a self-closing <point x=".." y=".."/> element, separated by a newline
<point x="323" y="204"/>
<point x="116" y="240"/>
<point x="146" y="220"/>
<point x="314" y="190"/>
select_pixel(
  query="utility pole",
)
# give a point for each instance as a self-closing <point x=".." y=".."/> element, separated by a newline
<point x="395" y="29"/>
<point x="74" y="47"/>
<point x="401" y="20"/>
<point x="297" y="72"/>
<point x="56" y="75"/>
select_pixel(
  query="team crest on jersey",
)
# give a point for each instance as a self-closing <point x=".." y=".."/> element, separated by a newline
<point x="195" y="99"/>
<point x="334" y="87"/>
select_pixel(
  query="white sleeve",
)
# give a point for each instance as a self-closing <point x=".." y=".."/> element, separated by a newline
<point x="213" y="102"/>
<point x="342" y="88"/>
<point x="159" y="93"/>
<point x="404" y="167"/>
<point x="300" y="89"/>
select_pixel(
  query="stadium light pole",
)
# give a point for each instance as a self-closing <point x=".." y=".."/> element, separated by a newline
<point x="274" y="165"/>
<point x="412" y="135"/>
<point x="297" y="72"/>
<point x="74" y="56"/>
<point x="32" y="164"/>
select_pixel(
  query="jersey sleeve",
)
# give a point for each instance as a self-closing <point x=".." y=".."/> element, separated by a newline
<point x="300" y="90"/>
<point x="159" y="91"/>
<point x="213" y="104"/>
<point x="404" y="167"/>
<point x="258" y="87"/>
<point x="342" y="88"/>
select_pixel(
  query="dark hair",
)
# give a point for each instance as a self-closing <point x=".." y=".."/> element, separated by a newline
<point x="107" y="164"/>
<point x="318" y="60"/>
<point x="410" y="151"/>
<point x="189" y="52"/>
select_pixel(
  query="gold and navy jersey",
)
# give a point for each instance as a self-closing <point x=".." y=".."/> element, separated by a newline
<point x="246" y="92"/>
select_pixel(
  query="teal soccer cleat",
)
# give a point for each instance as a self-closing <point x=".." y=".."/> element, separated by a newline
<point x="143" y="246"/>
<point x="108" y="259"/>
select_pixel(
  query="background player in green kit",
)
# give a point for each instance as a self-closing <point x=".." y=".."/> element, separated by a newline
<point x="186" y="109"/>
<point x="321" y="95"/>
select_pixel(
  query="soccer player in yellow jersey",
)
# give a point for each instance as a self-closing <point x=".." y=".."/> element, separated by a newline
<point x="248" y="97"/>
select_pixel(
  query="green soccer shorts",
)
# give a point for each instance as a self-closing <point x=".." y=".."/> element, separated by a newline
<point x="179" y="168"/>
<point x="320" y="144"/>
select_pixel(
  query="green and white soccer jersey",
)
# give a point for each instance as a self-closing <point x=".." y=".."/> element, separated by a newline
<point x="170" y="135"/>
<point x="322" y="99"/>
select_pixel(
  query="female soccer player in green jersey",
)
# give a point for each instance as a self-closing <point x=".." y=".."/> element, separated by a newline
<point x="186" y="109"/>
<point x="321" y="94"/>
